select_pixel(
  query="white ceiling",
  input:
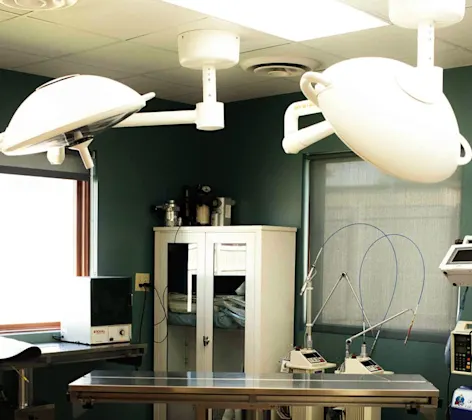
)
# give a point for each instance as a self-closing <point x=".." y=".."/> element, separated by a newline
<point x="135" y="41"/>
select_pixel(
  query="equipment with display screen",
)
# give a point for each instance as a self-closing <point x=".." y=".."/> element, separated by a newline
<point x="457" y="264"/>
<point x="461" y="348"/>
<point x="305" y="361"/>
<point x="360" y="365"/>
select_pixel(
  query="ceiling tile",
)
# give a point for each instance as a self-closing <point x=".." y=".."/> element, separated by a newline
<point x="186" y="77"/>
<point x="6" y="15"/>
<point x="58" y="68"/>
<point x="127" y="57"/>
<point x="235" y="76"/>
<point x="459" y="34"/>
<point x="246" y="91"/>
<point x="377" y="8"/>
<point x="14" y="11"/>
<point x="47" y="39"/>
<point x="250" y="39"/>
<point x="180" y="75"/>
<point x="455" y="57"/>
<point x="11" y="59"/>
<point x="189" y="98"/>
<point x="389" y="41"/>
<point x="123" y="19"/>
<point x="259" y="90"/>
<point x="162" y="89"/>
<point x="296" y="50"/>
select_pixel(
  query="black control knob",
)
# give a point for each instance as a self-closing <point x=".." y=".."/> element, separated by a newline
<point x="122" y="332"/>
<point x="111" y="338"/>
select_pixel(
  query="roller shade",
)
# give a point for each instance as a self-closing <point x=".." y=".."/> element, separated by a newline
<point x="38" y="165"/>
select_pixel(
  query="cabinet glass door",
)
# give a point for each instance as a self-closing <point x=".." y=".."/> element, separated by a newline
<point x="179" y="303"/>
<point x="229" y="283"/>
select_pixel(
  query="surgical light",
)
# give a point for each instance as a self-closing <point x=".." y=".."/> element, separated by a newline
<point x="63" y="113"/>
<point x="389" y="113"/>
<point x="69" y="111"/>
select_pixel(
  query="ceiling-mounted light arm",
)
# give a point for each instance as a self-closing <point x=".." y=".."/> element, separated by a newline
<point x="69" y="111"/>
<point x="208" y="115"/>
<point x="209" y="83"/>
<point x="425" y="47"/>
<point x="425" y="81"/>
<point x="296" y="140"/>
<point x="142" y="119"/>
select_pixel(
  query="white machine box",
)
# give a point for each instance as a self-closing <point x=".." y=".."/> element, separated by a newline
<point x="97" y="310"/>
<point x="457" y="264"/>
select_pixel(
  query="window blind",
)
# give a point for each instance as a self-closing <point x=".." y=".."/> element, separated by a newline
<point x="349" y="190"/>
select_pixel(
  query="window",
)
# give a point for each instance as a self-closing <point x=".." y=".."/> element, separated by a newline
<point x="44" y="241"/>
<point x="349" y="190"/>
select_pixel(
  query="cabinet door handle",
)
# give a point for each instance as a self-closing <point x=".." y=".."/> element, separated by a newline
<point x="206" y="340"/>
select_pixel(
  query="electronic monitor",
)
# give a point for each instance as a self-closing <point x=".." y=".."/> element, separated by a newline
<point x="457" y="264"/>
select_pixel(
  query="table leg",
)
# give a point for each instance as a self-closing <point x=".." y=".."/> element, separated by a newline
<point x="25" y="388"/>
<point x="429" y="413"/>
<point x="201" y="413"/>
<point x="255" y="415"/>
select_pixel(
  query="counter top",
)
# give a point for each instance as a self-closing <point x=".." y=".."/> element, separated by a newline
<point x="62" y="353"/>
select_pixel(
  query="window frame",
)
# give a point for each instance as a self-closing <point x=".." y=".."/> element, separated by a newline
<point x="420" y="336"/>
<point x="83" y="254"/>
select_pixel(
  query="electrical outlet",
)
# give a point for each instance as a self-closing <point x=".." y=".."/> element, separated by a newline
<point x="141" y="278"/>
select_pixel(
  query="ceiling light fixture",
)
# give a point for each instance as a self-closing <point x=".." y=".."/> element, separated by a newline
<point x="389" y="113"/>
<point x="38" y="5"/>
<point x="70" y="111"/>
<point x="294" y="20"/>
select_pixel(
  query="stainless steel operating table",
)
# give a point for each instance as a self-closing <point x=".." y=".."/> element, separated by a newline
<point x="256" y="392"/>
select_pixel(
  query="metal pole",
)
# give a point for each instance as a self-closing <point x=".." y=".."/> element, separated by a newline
<point x="307" y="301"/>
<point x="25" y="388"/>
<point x="350" y="339"/>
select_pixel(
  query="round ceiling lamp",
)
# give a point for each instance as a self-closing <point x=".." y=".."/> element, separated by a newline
<point x="62" y="113"/>
<point x="67" y="112"/>
<point x="390" y="113"/>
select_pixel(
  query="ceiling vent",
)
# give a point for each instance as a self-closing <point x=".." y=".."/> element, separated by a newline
<point x="279" y="66"/>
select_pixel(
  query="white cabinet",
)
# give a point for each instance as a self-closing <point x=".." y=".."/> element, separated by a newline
<point x="201" y="322"/>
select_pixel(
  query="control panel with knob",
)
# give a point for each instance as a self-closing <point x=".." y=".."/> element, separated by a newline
<point x="111" y="334"/>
